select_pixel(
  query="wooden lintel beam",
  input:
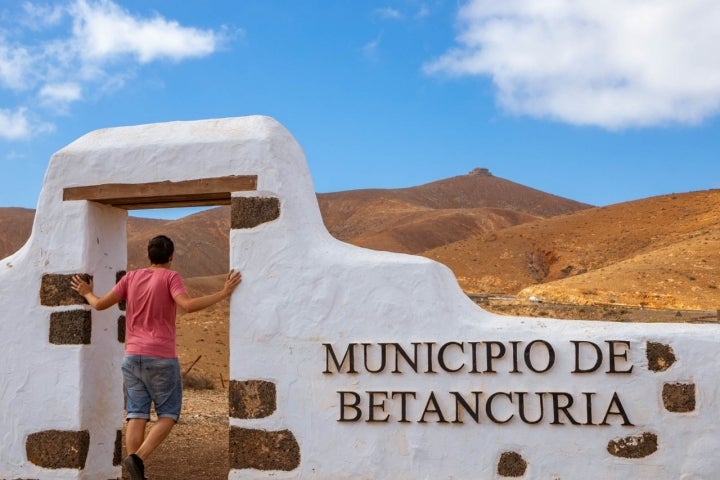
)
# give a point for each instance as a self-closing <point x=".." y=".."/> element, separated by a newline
<point x="187" y="193"/>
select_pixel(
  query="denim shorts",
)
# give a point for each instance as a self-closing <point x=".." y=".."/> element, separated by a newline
<point x="152" y="380"/>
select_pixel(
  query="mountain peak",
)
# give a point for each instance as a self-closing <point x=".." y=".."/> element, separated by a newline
<point x="481" y="172"/>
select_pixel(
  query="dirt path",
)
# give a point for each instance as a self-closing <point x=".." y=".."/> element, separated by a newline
<point x="611" y="313"/>
<point x="197" y="448"/>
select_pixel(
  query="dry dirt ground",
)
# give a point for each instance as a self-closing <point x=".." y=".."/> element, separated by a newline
<point x="198" y="446"/>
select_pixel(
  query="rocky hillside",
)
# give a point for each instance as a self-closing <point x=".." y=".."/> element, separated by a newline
<point x="657" y="252"/>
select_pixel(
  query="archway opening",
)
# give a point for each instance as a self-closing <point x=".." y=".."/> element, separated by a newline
<point x="198" y="445"/>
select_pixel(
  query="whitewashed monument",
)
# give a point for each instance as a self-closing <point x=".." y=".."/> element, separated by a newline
<point x="345" y="363"/>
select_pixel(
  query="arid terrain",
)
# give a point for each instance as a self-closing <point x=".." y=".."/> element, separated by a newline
<point x="513" y="249"/>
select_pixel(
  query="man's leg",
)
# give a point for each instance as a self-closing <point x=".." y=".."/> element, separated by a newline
<point x="155" y="437"/>
<point x="139" y="448"/>
<point x="134" y="434"/>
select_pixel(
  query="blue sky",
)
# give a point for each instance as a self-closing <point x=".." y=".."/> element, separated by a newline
<point x="600" y="102"/>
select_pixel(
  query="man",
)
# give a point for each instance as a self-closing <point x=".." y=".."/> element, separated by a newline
<point x="150" y="368"/>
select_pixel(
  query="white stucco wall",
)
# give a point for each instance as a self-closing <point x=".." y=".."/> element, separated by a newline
<point x="303" y="289"/>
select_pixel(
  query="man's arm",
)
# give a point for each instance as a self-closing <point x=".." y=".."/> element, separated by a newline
<point x="86" y="290"/>
<point x="190" y="305"/>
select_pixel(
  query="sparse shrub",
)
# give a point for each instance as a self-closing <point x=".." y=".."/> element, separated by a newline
<point x="539" y="262"/>
<point x="197" y="382"/>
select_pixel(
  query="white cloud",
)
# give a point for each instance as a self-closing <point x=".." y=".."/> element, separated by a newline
<point x="40" y="16"/>
<point x="62" y="53"/>
<point x="13" y="155"/>
<point x="15" y="62"/>
<point x="103" y="30"/>
<point x="61" y="93"/>
<point x="611" y="63"/>
<point x="370" y="49"/>
<point x="388" y="13"/>
<point x="19" y="124"/>
<point x="423" y="11"/>
<point x="14" y="125"/>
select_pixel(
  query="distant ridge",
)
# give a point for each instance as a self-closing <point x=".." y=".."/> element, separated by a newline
<point x="496" y="235"/>
<point x="419" y="218"/>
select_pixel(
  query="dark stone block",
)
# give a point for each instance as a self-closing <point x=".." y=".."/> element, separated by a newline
<point x="122" y="304"/>
<point x="249" y="212"/>
<point x="117" y="454"/>
<point x="121" y="329"/>
<point x="58" y="449"/>
<point x="660" y="356"/>
<point x="633" y="446"/>
<point x="679" y="397"/>
<point x="263" y="450"/>
<point x="71" y="327"/>
<point x="251" y="398"/>
<point x="511" y="464"/>
<point x="55" y="290"/>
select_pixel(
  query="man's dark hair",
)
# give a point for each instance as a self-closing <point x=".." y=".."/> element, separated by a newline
<point x="160" y="249"/>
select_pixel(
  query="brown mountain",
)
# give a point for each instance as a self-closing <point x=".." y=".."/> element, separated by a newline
<point x="15" y="228"/>
<point x="656" y="252"/>
<point x="415" y="219"/>
<point x="201" y="241"/>
<point x="497" y="236"/>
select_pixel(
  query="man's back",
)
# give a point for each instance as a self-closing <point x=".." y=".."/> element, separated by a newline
<point x="151" y="310"/>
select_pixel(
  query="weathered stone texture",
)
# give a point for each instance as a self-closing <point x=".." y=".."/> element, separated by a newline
<point x="511" y="464"/>
<point x="121" y="329"/>
<point x="633" y="446"/>
<point x="71" y="327"/>
<point x="263" y="450"/>
<point x="679" y="397"/>
<point x="58" y="448"/>
<point x="117" y="454"/>
<point x="55" y="290"/>
<point x="249" y="212"/>
<point x="251" y="398"/>
<point x="122" y="304"/>
<point x="660" y="356"/>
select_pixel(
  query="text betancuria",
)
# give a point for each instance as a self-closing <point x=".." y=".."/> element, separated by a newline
<point x="555" y="406"/>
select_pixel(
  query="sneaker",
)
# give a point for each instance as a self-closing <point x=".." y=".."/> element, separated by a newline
<point x="135" y="467"/>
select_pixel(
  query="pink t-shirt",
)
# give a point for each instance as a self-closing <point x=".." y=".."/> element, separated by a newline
<point x="150" y="312"/>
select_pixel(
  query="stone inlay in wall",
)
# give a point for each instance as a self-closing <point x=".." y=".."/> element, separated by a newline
<point x="71" y="327"/>
<point x="251" y="398"/>
<point x="55" y="290"/>
<point x="118" y="275"/>
<point x="679" y="397"/>
<point x="121" y="329"/>
<point x="58" y="448"/>
<point x="511" y="464"/>
<point x="263" y="450"/>
<point x="633" y="446"/>
<point x="249" y="212"/>
<point x="117" y="453"/>
<point x="660" y="356"/>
